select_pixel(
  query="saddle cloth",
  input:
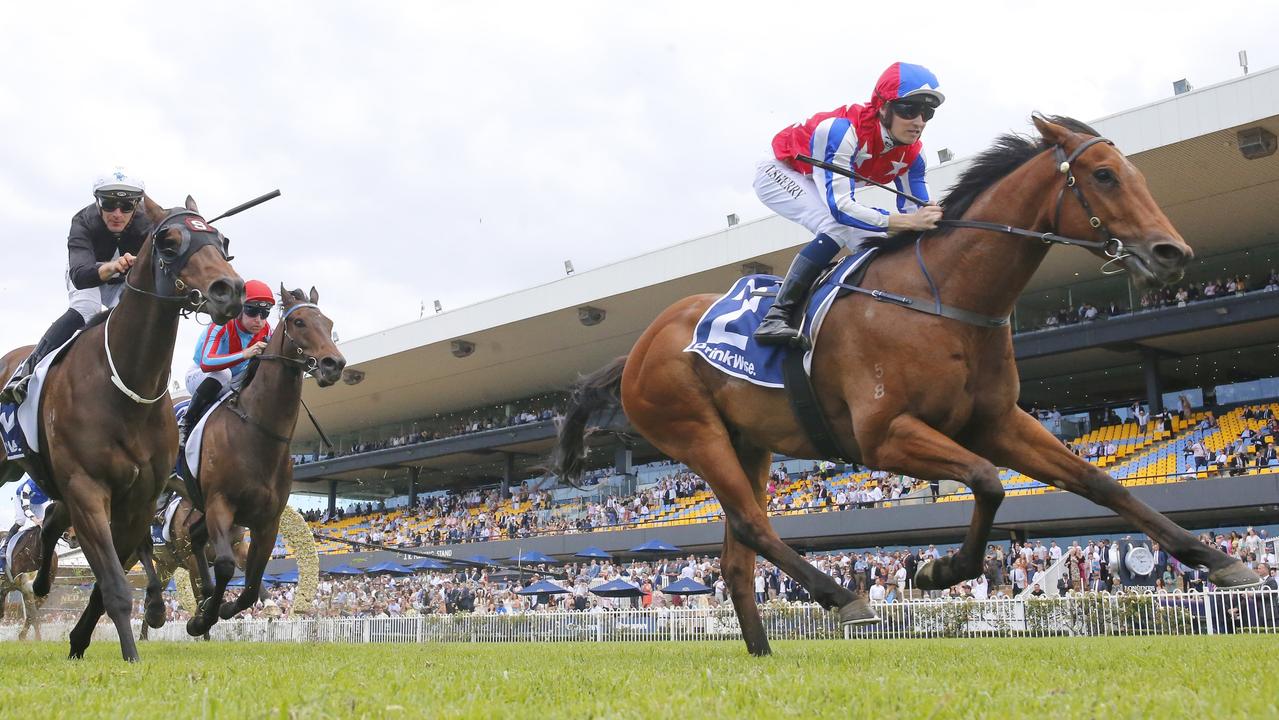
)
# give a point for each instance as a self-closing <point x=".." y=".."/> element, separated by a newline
<point x="724" y="336"/>
<point x="20" y="424"/>
<point x="189" y="463"/>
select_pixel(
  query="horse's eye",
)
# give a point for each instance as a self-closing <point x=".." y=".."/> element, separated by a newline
<point x="297" y="322"/>
<point x="1105" y="176"/>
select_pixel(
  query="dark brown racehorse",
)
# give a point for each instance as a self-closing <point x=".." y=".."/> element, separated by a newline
<point x="904" y="391"/>
<point x="107" y="433"/>
<point x="245" y="468"/>
<point x="19" y="576"/>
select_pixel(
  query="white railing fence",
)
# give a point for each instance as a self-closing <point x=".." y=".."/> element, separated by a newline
<point x="1217" y="612"/>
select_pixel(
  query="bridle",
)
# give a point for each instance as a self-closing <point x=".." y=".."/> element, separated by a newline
<point x="1109" y="245"/>
<point x="167" y="266"/>
<point x="305" y="361"/>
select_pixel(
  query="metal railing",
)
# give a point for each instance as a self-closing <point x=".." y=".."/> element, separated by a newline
<point x="1131" y="614"/>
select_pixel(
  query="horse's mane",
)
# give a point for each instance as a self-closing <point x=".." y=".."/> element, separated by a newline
<point x="1006" y="154"/>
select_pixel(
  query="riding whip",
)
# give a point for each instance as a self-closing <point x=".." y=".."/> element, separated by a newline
<point x="245" y="206"/>
<point x="849" y="173"/>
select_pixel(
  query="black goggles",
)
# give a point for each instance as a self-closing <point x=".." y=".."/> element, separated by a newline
<point x="111" y="205"/>
<point x="910" y="110"/>
<point x="257" y="311"/>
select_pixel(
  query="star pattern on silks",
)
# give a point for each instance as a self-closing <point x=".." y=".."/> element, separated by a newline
<point x="898" y="167"/>
<point x="861" y="156"/>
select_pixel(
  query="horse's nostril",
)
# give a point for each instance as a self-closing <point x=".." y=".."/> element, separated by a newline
<point x="1170" y="254"/>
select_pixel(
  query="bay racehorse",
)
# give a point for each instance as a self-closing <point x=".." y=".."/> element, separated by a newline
<point x="20" y="573"/>
<point x="108" y="439"/>
<point x="904" y="391"/>
<point x="245" y="469"/>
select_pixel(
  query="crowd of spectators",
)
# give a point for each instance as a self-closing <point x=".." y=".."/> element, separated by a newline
<point x="1251" y="449"/>
<point x="463" y="425"/>
<point x="1155" y="299"/>
<point x="886" y="576"/>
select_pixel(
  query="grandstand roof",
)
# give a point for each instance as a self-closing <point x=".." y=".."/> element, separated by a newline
<point x="531" y="341"/>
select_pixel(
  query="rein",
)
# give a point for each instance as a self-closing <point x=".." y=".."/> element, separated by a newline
<point x="1110" y="246"/>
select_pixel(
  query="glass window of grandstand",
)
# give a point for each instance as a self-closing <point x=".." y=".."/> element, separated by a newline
<point x="1230" y="274"/>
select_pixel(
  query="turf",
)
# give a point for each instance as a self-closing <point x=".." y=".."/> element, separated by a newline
<point x="1209" y="677"/>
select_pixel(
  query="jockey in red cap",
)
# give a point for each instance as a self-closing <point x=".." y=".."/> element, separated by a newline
<point x="879" y="141"/>
<point x="224" y="351"/>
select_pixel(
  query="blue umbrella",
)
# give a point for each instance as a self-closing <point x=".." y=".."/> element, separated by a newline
<point x="534" y="557"/>
<point x="686" y="586"/>
<point x="593" y="552"/>
<point x="543" y="587"/>
<point x="655" y="546"/>
<point x="343" y="570"/>
<point x="388" y="568"/>
<point x="481" y="559"/>
<point x="236" y="582"/>
<point x="173" y="585"/>
<point x="428" y="564"/>
<point x="618" y="588"/>
<point x="286" y="577"/>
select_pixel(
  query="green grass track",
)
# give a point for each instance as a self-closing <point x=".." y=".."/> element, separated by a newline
<point x="1164" y="677"/>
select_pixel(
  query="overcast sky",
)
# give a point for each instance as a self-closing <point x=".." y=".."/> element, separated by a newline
<point x="458" y="151"/>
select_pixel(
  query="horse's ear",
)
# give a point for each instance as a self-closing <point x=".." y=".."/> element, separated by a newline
<point x="286" y="298"/>
<point x="154" y="212"/>
<point x="1052" y="133"/>
<point x="315" y="296"/>
<point x="191" y="204"/>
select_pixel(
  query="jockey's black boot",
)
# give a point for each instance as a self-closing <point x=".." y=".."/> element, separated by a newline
<point x="200" y="402"/>
<point x="781" y="322"/>
<point x="58" y="333"/>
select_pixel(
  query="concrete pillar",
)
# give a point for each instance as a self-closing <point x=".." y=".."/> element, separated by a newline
<point x="622" y="460"/>
<point x="414" y="472"/>
<point x="508" y="474"/>
<point x="1154" y="388"/>
<point x="333" y="497"/>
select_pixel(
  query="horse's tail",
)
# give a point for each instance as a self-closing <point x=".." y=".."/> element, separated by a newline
<point x="593" y="392"/>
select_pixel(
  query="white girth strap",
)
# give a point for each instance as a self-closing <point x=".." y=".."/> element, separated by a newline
<point x="115" y="375"/>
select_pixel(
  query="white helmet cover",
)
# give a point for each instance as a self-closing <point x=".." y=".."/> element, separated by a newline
<point x="118" y="184"/>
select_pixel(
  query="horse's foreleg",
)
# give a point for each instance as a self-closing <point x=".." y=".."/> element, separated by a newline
<point x="82" y="633"/>
<point x="88" y="505"/>
<point x="260" y="546"/>
<point x="155" y="591"/>
<point x="1024" y="445"/>
<point x="56" y="522"/>
<point x="217" y="522"/>
<point x="911" y="447"/>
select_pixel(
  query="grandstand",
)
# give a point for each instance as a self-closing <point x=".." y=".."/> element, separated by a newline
<point x="511" y="356"/>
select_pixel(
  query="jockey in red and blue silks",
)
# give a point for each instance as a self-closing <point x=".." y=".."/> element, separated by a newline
<point x="879" y="141"/>
<point x="223" y="353"/>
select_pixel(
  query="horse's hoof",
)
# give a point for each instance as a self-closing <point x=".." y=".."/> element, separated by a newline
<point x="228" y="610"/>
<point x="857" y="612"/>
<point x="1234" y="575"/>
<point x="196" y="628"/>
<point x="926" y="577"/>
<point x="155" y="616"/>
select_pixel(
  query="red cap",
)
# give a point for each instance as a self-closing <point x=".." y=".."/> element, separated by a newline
<point x="258" y="291"/>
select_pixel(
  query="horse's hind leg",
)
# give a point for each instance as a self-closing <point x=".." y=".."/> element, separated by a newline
<point x="155" y="591"/>
<point x="738" y="561"/>
<point x="912" y="447"/>
<point x="1024" y="445"/>
<point x="260" y="546"/>
<point x="56" y="522"/>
